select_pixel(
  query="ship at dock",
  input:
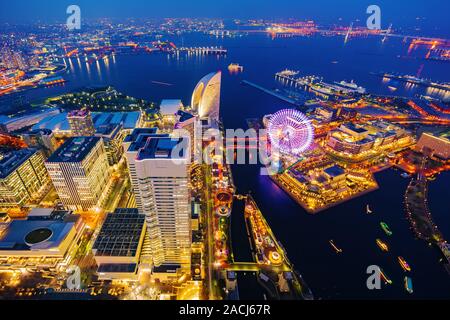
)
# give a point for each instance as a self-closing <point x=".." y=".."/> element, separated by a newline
<point x="415" y="80"/>
<point x="351" y="86"/>
<point x="317" y="84"/>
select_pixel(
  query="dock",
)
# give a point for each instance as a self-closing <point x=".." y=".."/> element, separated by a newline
<point x="272" y="93"/>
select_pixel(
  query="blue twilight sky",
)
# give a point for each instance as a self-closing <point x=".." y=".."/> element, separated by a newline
<point x="401" y="12"/>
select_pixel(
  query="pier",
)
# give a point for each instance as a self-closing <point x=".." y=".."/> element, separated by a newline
<point x="202" y="50"/>
<point x="272" y="93"/>
<point x="414" y="80"/>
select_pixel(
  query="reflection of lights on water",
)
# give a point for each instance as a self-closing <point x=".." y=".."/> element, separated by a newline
<point x="438" y="92"/>
<point x="71" y="65"/>
<point x="88" y="68"/>
<point x="99" y="71"/>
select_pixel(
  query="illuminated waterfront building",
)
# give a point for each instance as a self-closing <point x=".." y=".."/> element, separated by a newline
<point x="358" y="140"/>
<point x="80" y="173"/>
<point x="118" y="246"/>
<point x="206" y="97"/>
<point x="439" y="146"/>
<point x="81" y="124"/>
<point x="46" y="240"/>
<point x="326" y="114"/>
<point x="160" y="179"/>
<point x="43" y="139"/>
<point x="23" y="177"/>
<point x="12" y="124"/>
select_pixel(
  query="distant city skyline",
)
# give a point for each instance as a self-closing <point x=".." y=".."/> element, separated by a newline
<point x="397" y="12"/>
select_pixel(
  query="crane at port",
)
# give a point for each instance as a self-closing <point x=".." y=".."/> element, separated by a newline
<point x="349" y="31"/>
<point x="388" y="32"/>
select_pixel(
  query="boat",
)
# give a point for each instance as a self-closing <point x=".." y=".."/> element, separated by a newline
<point x="323" y="90"/>
<point x="235" y="67"/>
<point x="405" y="266"/>
<point x="386" y="228"/>
<point x="351" y="85"/>
<point x="384" y="277"/>
<point x="392" y="88"/>
<point x="335" y="247"/>
<point x="409" y="285"/>
<point x="383" y="246"/>
<point x="368" y="210"/>
<point x="405" y="175"/>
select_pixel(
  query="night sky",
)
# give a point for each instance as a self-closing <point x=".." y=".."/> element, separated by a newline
<point x="403" y="13"/>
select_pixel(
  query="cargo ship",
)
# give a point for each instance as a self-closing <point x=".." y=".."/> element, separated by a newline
<point x="386" y="228"/>
<point x="333" y="245"/>
<point x="384" y="277"/>
<point x="409" y="285"/>
<point x="383" y="246"/>
<point x="405" y="266"/>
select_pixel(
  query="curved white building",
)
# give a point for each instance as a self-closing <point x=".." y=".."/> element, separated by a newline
<point x="206" y="96"/>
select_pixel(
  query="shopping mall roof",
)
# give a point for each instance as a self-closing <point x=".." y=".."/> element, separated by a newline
<point x="59" y="122"/>
<point x="35" y="235"/>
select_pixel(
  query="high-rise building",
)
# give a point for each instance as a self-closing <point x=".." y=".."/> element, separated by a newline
<point x="192" y="126"/>
<point x="81" y="124"/>
<point x="43" y="139"/>
<point x="160" y="179"/>
<point x="80" y="173"/>
<point x="113" y="137"/>
<point x="206" y="96"/>
<point x="23" y="177"/>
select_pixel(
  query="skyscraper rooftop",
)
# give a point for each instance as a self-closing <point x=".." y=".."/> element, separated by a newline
<point x="74" y="149"/>
<point x="10" y="161"/>
<point x="162" y="148"/>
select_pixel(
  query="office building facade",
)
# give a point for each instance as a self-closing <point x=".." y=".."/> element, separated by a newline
<point x="79" y="171"/>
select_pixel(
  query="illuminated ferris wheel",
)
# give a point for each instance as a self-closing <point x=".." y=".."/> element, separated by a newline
<point x="290" y="131"/>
